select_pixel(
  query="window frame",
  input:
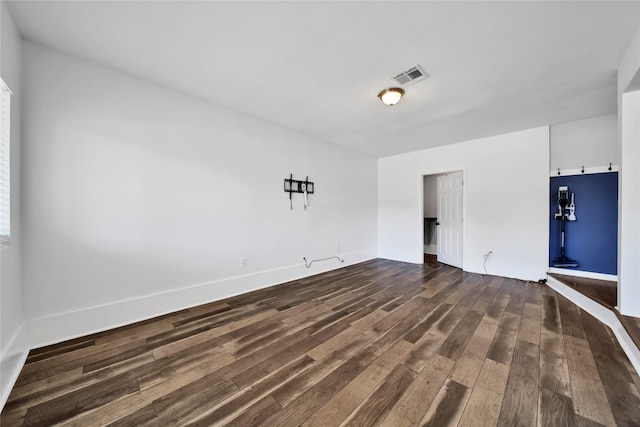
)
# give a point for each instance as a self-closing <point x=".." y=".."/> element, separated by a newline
<point x="5" y="163"/>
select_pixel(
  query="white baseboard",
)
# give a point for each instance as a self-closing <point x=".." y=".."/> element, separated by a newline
<point x="603" y="314"/>
<point x="49" y="330"/>
<point x="12" y="361"/>
<point x="585" y="274"/>
<point x="430" y="249"/>
<point x="64" y="326"/>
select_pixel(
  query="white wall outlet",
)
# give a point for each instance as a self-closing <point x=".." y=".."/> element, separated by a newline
<point x="243" y="261"/>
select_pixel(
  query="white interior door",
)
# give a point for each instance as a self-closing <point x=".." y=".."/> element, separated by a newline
<point x="450" y="219"/>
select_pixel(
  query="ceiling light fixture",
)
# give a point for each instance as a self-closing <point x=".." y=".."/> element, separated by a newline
<point x="391" y="96"/>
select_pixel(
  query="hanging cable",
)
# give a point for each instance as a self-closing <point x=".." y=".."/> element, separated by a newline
<point x="484" y="261"/>
<point x="322" y="259"/>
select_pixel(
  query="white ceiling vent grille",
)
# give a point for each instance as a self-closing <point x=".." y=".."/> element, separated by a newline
<point x="411" y="75"/>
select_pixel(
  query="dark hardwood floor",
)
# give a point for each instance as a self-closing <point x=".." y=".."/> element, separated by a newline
<point x="605" y="293"/>
<point x="430" y="258"/>
<point x="378" y="343"/>
<point x="601" y="291"/>
<point x="632" y="325"/>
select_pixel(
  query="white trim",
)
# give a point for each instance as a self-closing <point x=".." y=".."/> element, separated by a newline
<point x="4" y="87"/>
<point x="465" y="232"/>
<point x="587" y="171"/>
<point x="64" y="326"/>
<point x="601" y="313"/>
<point x="585" y="274"/>
<point x="14" y="356"/>
<point x="5" y="163"/>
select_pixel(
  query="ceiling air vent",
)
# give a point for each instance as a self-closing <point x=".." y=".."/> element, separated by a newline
<point x="410" y="75"/>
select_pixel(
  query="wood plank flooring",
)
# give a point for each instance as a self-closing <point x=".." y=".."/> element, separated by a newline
<point x="377" y="343"/>
<point x="603" y="292"/>
<point x="632" y="325"/>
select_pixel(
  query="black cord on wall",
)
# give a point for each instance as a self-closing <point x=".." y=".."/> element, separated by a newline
<point x="322" y="259"/>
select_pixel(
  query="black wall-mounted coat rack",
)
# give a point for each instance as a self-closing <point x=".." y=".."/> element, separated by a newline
<point x="296" y="186"/>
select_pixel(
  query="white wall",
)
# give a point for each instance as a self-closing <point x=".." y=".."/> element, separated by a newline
<point x="629" y="191"/>
<point x="629" y="66"/>
<point x="590" y="143"/>
<point x="140" y="200"/>
<point x="12" y="337"/>
<point x="506" y="184"/>
<point x="629" y="267"/>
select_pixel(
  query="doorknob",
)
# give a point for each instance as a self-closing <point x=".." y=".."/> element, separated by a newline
<point x="437" y="223"/>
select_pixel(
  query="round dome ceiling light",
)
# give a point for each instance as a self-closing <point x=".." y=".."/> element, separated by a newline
<point x="391" y="96"/>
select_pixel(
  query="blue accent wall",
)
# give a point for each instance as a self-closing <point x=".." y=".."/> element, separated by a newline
<point x="592" y="239"/>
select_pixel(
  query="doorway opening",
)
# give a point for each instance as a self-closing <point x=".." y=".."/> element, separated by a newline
<point x="442" y="218"/>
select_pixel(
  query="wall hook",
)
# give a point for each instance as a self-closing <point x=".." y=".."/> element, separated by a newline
<point x="582" y="169"/>
<point x="558" y="171"/>
<point x="610" y="166"/>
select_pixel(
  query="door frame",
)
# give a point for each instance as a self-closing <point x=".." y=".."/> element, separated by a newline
<point x="428" y="172"/>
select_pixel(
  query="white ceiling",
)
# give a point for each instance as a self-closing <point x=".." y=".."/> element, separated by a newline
<point x="317" y="67"/>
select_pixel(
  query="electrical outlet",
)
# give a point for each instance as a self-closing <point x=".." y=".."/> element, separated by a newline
<point x="243" y="261"/>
